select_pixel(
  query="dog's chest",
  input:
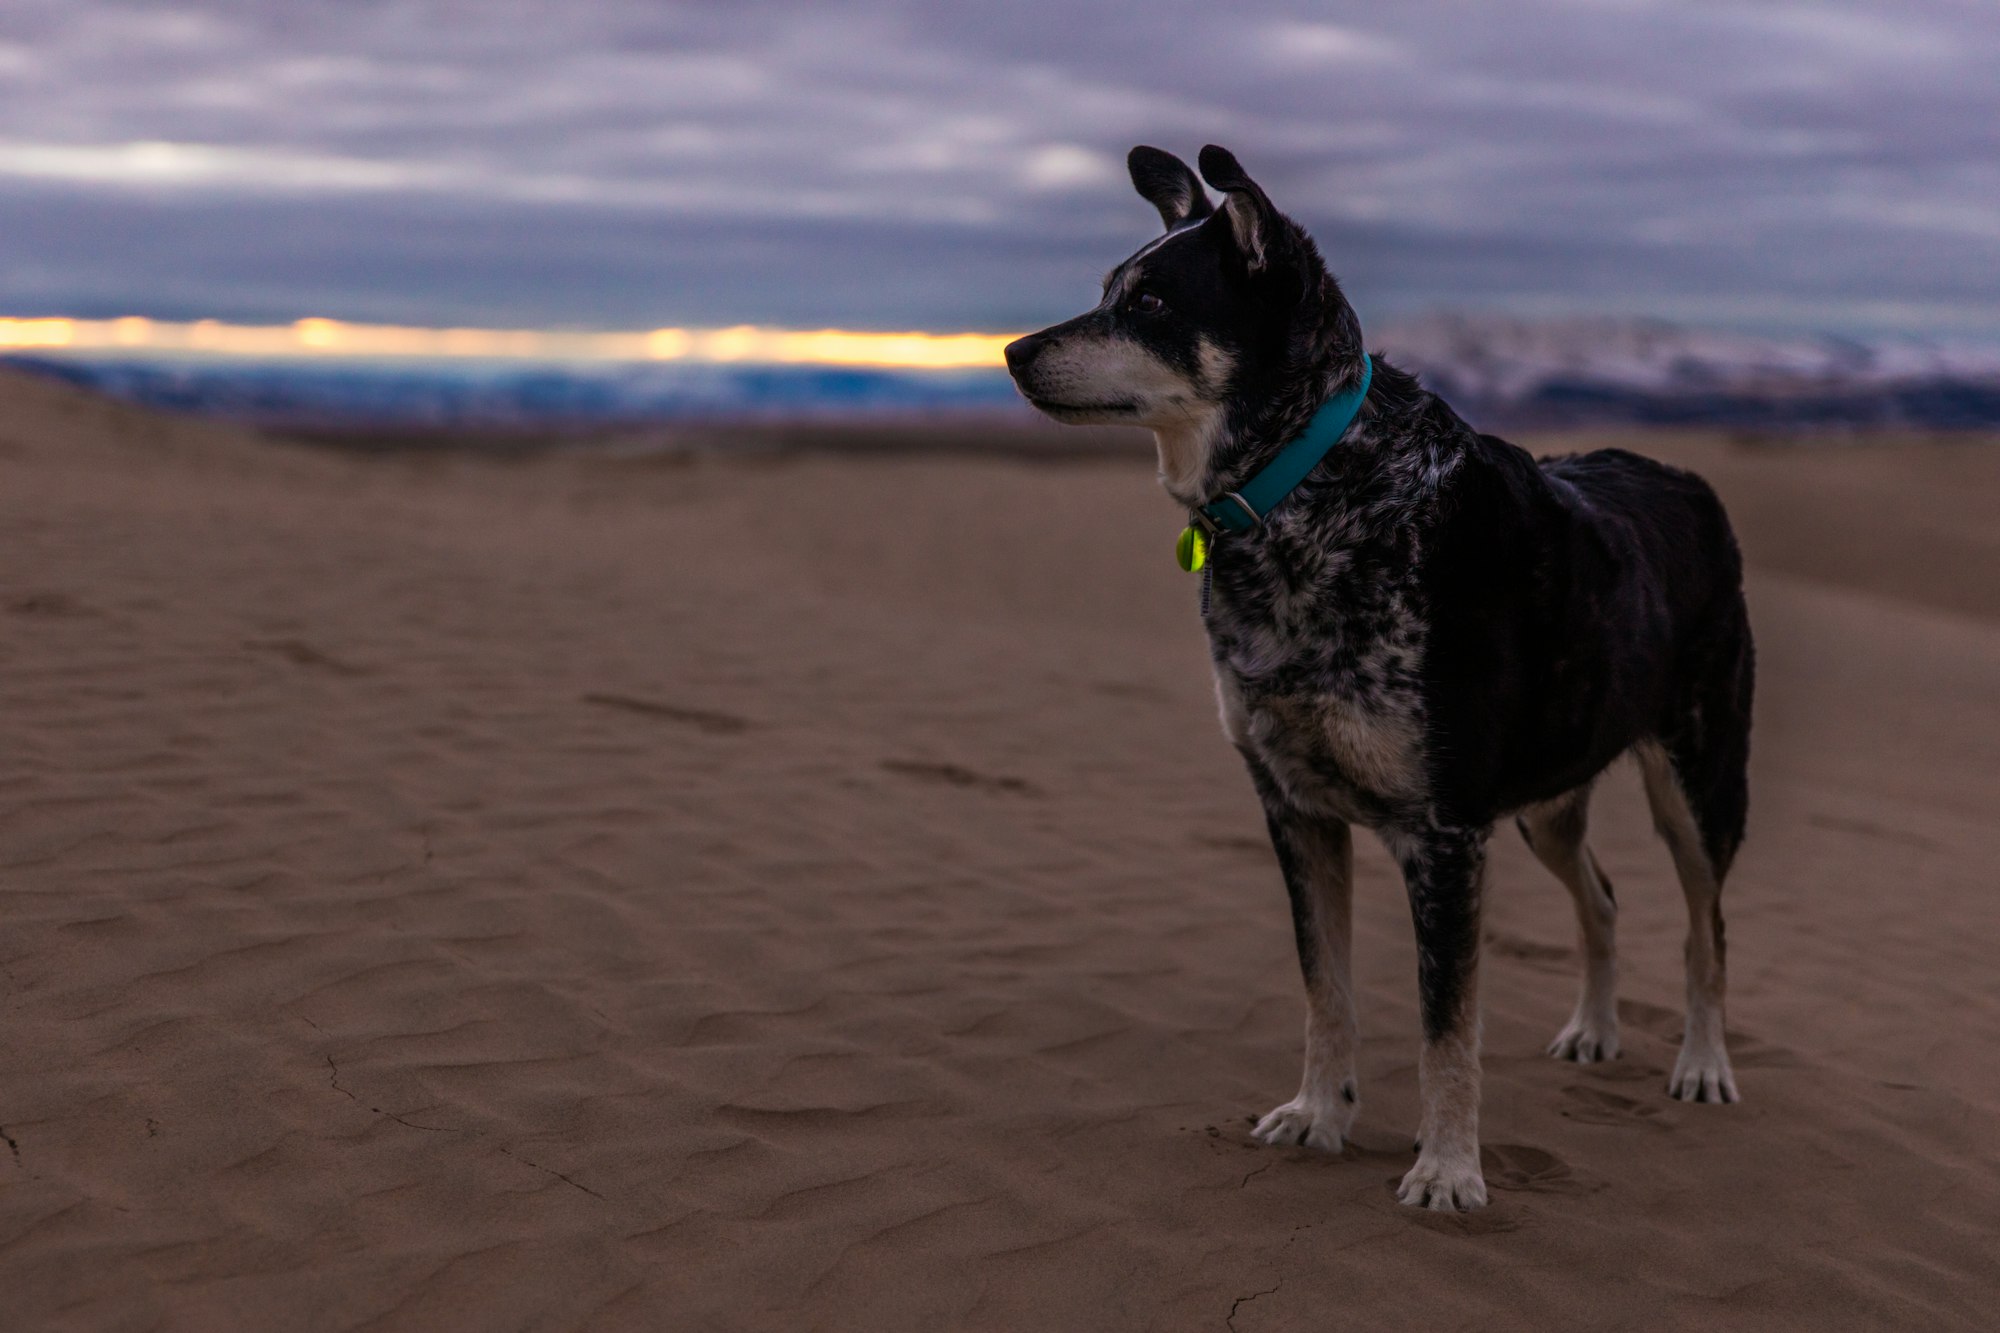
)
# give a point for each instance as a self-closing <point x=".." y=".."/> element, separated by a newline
<point x="1332" y="711"/>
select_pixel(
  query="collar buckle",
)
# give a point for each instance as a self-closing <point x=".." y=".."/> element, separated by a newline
<point x="1209" y="516"/>
<point x="1249" y="510"/>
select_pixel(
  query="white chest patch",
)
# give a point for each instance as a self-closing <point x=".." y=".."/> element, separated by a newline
<point x="1330" y="754"/>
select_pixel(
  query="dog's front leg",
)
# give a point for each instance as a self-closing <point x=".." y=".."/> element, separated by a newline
<point x="1444" y="870"/>
<point x="1317" y="857"/>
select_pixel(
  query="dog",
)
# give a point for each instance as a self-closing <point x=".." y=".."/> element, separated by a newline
<point x="1429" y="632"/>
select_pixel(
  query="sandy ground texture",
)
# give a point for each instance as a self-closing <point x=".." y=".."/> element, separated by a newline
<point x="813" y="892"/>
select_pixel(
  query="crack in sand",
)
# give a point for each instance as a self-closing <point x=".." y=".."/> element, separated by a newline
<point x="12" y="1146"/>
<point x="1242" y="1301"/>
<point x="1258" y="1172"/>
<point x="549" y="1170"/>
<point x="334" y="1080"/>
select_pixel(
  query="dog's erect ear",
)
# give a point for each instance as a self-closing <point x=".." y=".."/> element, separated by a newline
<point x="1252" y="218"/>
<point x="1165" y="182"/>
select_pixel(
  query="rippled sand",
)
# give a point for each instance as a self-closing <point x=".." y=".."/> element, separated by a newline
<point x="812" y="892"/>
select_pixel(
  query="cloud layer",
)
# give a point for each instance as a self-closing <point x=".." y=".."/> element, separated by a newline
<point x="630" y="162"/>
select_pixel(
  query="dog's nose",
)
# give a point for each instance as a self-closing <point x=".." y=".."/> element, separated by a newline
<point x="1024" y="350"/>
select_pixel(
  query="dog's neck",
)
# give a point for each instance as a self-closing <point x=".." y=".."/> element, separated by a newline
<point x="1187" y="448"/>
<point x="1220" y="447"/>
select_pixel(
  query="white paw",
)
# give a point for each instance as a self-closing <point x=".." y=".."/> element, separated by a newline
<point x="1586" y="1040"/>
<point x="1303" y="1121"/>
<point x="1444" y="1185"/>
<point x="1703" y="1075"/>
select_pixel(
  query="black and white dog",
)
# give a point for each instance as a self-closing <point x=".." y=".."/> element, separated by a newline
<point x="1429" y="632"/>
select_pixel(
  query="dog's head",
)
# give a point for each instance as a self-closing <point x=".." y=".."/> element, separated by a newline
<point x="1226" y="311"/>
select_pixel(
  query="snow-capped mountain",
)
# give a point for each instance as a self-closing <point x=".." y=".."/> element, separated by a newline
<point x="1589" y="370"/>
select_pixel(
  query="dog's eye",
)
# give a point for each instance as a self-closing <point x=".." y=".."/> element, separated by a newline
<point x="1148" y="304"/>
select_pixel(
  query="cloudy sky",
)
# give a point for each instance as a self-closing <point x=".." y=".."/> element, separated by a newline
<point x="633" y="163"/>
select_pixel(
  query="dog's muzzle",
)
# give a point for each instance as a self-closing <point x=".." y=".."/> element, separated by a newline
<point x="1021" y="353"/>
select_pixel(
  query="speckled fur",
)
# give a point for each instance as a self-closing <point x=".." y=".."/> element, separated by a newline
<point x="1431" y="632"/>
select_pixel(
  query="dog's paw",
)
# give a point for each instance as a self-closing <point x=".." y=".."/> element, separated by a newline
<point x="1586" y="1039"/>
<point x="1702" y="1074"/>
<point x="1444" y="1185"/>
<point x="1307" y="1123"/>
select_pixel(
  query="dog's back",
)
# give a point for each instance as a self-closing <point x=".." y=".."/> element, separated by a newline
<point x="1684" y="557"/>
<point x="1579" y="606"/>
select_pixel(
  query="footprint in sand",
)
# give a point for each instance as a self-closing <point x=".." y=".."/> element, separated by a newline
<point x="1231" y="842"/>
<point x="1651" y="1019"/>
<point x="1516" y="1166"/>
<point x="702" y="719"/>
<point x="300" y="653"/>
<point x="1546" y="957"/>
<point x="1123" y="689"/>
<point x="951" y="775"/>
<point x="1624" y="1069"/>
<point x="1869" y="829"/>
<point x="1596" y="1106"/>
<point x="1488" y="1221"/>
<point x="47" y="604"/>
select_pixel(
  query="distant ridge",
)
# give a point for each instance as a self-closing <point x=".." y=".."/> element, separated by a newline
<point x="1500" y="372"/>
<point x="341" y="394"/>
<point x="1587" y="371"/>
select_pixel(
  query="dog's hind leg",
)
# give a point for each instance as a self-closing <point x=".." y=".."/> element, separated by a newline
<point x="1445" y="873"/>
<point x="1697" y="781"/>
<point x="1555" y="833"/>
<point x="1702" y="1072"/>
<point x="1317" y="857"/>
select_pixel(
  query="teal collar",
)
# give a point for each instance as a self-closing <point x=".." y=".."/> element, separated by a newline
<point x="1241" y="510"/>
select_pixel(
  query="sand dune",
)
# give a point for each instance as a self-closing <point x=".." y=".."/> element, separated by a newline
<point x="813" y="892"/>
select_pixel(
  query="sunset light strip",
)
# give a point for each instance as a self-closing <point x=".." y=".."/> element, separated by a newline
<point x="335" y="338"/>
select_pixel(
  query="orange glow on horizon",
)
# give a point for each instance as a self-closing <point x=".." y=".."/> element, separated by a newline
<point x="335" y="338"/>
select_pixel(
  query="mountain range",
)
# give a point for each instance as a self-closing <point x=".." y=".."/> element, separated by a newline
<point x="1500" y="372"/>
<point x="1588" y="371"/>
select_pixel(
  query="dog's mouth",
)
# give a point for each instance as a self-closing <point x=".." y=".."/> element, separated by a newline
<point x="1120" y="407"/>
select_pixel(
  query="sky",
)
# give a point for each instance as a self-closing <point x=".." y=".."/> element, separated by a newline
<point x="641" y="164"/>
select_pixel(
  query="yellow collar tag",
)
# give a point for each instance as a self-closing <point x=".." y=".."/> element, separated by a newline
<point x="1192" y="549"/>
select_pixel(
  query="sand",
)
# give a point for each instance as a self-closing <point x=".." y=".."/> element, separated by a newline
<point x="812" y="892"/>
